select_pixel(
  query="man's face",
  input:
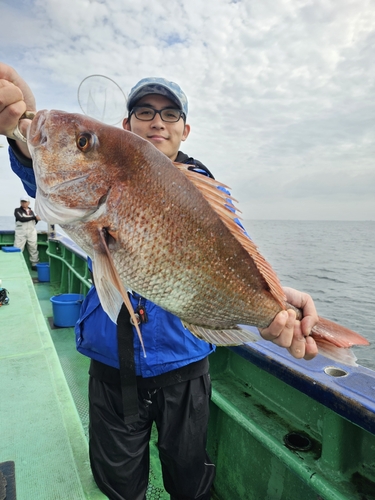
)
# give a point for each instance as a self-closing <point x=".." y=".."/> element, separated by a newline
<point x="165" y="136"/>
<point x="25" y="204"/>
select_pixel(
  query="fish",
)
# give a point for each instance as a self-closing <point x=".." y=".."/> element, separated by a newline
<point x="159" y="229"/>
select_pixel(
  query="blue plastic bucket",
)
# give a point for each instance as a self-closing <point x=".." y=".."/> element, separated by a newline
<point x="66" y="309"/>
<point x="11" y="249"/>
<point x="43" y="271"/>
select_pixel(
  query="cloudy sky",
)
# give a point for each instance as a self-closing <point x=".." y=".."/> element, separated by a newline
<point x="281" y="92"/>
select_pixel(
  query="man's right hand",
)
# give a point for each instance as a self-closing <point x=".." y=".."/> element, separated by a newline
<point x="15" y="98"/>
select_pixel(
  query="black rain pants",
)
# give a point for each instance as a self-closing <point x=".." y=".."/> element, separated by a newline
<point x="119" y="453"/>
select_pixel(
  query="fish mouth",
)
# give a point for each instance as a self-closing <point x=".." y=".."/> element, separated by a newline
<point x="36" y="135"/>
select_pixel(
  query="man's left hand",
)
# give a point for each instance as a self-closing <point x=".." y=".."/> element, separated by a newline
<point x="286" y="331"/>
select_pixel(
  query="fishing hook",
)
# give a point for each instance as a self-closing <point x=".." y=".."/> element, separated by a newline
<point x="16" y="132"/>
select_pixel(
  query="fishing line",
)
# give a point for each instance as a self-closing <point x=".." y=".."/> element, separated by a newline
<point x="102" y="98"/>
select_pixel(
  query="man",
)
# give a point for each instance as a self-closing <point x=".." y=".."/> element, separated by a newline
<point x="173" y="385"/>
<point x="25" y="231"/>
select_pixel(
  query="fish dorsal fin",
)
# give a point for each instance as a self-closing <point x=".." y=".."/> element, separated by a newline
<point x="111" y="291"/>
<point x="223" y="204"/>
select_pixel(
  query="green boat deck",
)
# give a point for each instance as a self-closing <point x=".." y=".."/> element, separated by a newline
<point x="280" y="429"/>
<point x="43" y="404"/>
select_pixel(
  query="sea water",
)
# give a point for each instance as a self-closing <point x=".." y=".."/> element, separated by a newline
<point x="7" y="222"/>
<point x="334" y="261"/>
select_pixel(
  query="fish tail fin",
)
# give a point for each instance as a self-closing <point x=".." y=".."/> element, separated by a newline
<point x="222" y="337"/>
<point x="340" y="354"/>
<point x="336" y="334"/>
<point x="334" y="341"/>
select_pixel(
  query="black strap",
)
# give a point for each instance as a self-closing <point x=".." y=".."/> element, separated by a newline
<point x="127" y="367"/>
<point x="184" y="158"/>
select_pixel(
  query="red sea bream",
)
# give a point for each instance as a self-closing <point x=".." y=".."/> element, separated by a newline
<point x="156" y="228"/>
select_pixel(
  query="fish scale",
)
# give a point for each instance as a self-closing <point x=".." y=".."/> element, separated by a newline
<point x="157" y="228"/>
<point x="185" y="285"/>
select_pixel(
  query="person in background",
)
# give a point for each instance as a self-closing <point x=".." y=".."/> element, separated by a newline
<point x="25" y="232"/>
<point x="173" y="384"/>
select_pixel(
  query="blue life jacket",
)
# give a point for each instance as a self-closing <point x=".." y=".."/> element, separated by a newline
<point x="23" y="168"/>
<point x="168" y="344"/>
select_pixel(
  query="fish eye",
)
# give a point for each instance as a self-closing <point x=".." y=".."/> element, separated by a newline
<point x="85" y="141"/>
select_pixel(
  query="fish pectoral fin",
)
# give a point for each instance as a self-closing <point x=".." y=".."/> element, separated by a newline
<point x="111" y="297"/>
<point x="111" y="291"/>
<point x="113" y="233"/>
<point x="223" y="337"/>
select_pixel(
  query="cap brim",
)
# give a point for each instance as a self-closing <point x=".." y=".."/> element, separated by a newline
<point x="148" y="90"/>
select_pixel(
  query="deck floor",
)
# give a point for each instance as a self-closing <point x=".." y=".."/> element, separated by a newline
<point x="43" y="396"/>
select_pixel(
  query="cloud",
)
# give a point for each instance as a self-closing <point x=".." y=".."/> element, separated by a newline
<point x="280" y="94"/>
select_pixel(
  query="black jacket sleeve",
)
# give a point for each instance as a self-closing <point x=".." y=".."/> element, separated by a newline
<point x="21" y="215"/>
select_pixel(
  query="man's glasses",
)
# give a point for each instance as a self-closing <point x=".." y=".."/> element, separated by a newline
<point x="146" y="114"/>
